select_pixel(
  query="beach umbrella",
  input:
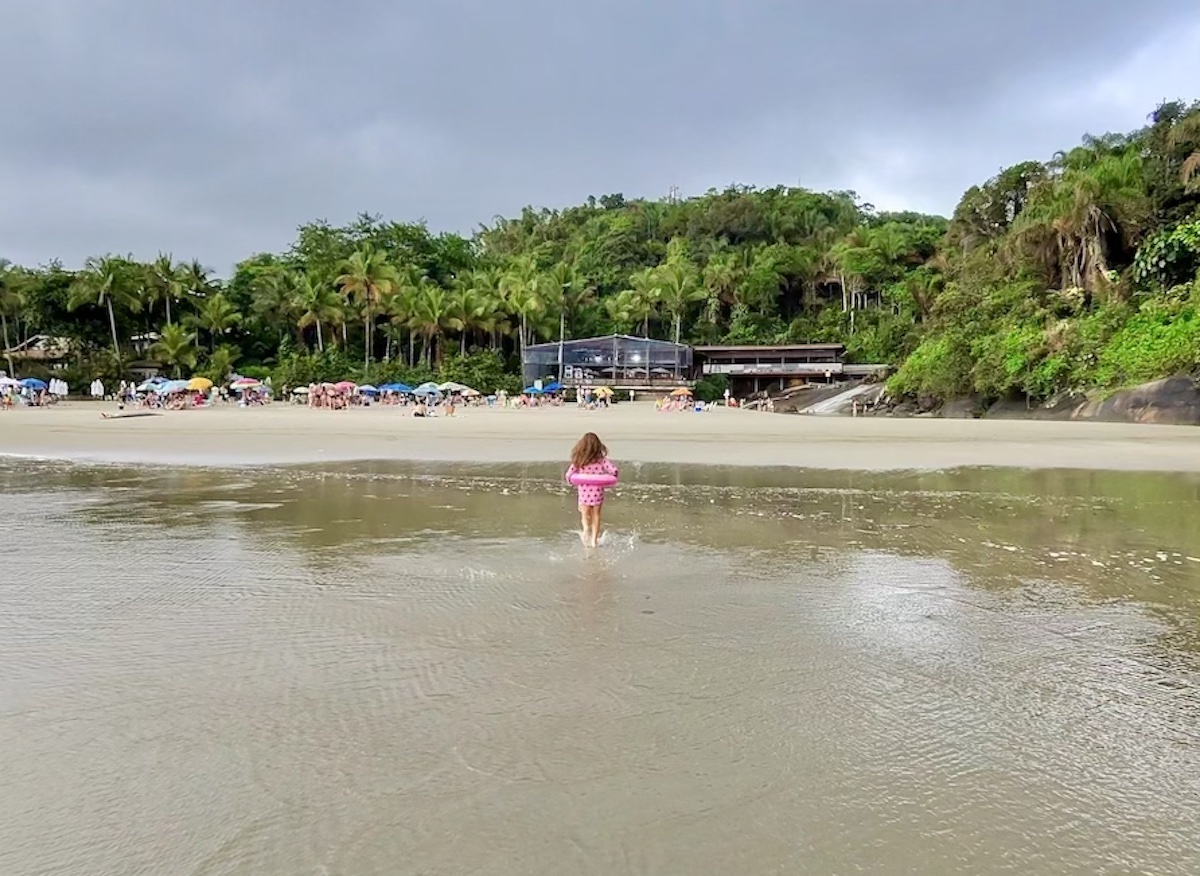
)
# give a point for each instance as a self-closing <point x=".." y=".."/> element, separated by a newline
<point x="246" y="383"/>
<point x="532" y="390"/>
<point x="604" y="390"/>
<point x="148" y="386"/>
<point x="345" y="386"/>
<point x="553" y="386"/>
<point x="470" y="393"/>
<point x="368" y="389"/>
<point x="8" y="381"/>
<point x="33" y="383"/>
<point x="300" y="390"/>
<point x="200" y="384"/>
<point x="174" y="386"/>
<point x="427" y="389"/>
<point x="396" y="387"/>
<point x="683" y="390"/>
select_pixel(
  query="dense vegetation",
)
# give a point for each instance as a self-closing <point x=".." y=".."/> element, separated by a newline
<point x="1077" y="273"/>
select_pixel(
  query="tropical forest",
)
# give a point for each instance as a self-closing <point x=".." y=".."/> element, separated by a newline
<point x="1078" y="272"/>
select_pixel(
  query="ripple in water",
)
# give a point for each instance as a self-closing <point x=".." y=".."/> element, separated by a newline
<point x="338" y="672"/>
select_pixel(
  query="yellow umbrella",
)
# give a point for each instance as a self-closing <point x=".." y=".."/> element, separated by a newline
<point x="200" y="384"/>
<point x="604" y="390"/>
<point x="683" y="390"/>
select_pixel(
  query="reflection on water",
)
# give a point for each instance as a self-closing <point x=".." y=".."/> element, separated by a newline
<point x="375" y="669"/>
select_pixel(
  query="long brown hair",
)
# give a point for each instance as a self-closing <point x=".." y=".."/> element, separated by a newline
<point x="587" y="450"/>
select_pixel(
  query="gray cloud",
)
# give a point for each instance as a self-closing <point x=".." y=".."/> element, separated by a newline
<point x="213" y="129"/>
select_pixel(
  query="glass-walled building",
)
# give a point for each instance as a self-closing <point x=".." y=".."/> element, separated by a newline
<point x="615" y="360"/>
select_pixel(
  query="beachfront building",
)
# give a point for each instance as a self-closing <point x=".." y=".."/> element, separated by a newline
<point x="622" y="362"/>
<point x="752" y="368"/>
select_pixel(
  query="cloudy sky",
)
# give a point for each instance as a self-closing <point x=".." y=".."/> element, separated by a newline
<point x="212" y="129"/>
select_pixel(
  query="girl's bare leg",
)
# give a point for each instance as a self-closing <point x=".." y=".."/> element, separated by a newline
<point x="585" y="521"/>
<point x="596" y="509"/>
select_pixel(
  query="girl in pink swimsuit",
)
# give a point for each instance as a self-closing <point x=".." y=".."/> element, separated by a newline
<point x="590" y="456"/>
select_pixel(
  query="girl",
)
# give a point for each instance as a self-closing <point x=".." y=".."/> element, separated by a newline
<point x="590" y="456"/>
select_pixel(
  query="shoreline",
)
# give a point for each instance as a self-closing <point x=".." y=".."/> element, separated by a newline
<point x="635" y="433"/>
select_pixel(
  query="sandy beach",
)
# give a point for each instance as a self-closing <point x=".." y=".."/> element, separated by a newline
<point x="634" y="432"/>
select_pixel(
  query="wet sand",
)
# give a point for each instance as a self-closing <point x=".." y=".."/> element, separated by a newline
<point x="378" y="668"/>
<point x="634" y="432"/>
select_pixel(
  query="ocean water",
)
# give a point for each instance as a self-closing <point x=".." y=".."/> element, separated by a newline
<point x="377" y="669"/>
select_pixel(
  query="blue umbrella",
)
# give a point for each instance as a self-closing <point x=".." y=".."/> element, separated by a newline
<point x="33" y="383"/>
<point x="532" y="390"/>
<point x="174" y="386"/>
<point x="427" y="389"/>
<point x="397" y="387"/>
<point x="553" y="386"/>
<point x="368" y="389"/>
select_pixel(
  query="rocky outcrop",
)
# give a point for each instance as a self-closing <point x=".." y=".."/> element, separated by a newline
<point x="1175" y="400"/>
<point x="1172" y="401"/>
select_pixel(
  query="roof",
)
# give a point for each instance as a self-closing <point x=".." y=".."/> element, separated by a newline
<point x="771" y="348"/>
<point x="604" y="339"/>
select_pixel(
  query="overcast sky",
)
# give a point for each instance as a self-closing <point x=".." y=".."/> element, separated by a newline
<point x="212" y="129"/>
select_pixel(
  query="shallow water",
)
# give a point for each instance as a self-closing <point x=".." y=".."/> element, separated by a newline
<point x="378" y="669"/>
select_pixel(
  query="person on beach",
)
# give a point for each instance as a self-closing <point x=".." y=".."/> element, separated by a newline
<point x="590" y="456"/>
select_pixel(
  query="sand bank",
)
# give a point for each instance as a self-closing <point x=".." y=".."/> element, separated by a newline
<point x="634" y="432"/>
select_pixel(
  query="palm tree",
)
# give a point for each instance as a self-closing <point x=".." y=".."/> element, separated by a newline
<point x="431" y="314"/>
<point x="195" y="279"/>
<point x="677" y="290"/>
<point x="495" y="318"/>
<point x="369" y="278"/>
<point x="220" y="363"/>
<point x="315" y="304"/>
<point x="175" y="348"/>
<point x="645" y="290"/>
<point x="216" y="315"/>
<point x="468" y="307"/>
<point x="720" y="284"/>
<point x="10" y="304"/>
<point x="101" y="282"/>
<point x="1186" y="132"/>
<point x="401" y="302"/>
<point x="273" y="297"/>
<point x="168" y="282"/>
<point x="1069" y="221"/>
<point x="522" y="288"/>
<point x="627" y="308"/>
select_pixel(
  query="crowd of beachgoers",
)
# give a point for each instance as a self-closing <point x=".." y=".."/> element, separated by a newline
<point x="425" y="400"/>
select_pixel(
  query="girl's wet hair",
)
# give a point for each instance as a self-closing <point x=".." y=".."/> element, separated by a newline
<point x="587" y="450"/>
